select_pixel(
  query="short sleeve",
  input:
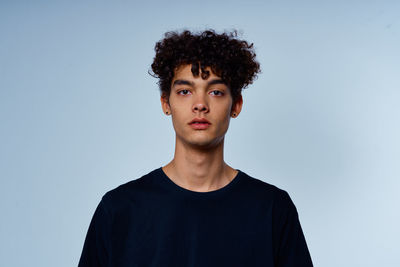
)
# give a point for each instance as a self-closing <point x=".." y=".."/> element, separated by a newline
<point x="290" y="248"/>
<point x="96" y="251"/>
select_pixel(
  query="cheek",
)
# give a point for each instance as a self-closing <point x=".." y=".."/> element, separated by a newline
<point x="224" y="118"/>
<point x="178" y="120"/>
<point x="224" y="112"/>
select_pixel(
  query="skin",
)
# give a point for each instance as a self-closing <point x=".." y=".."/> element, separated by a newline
<point x="198" y="163"/>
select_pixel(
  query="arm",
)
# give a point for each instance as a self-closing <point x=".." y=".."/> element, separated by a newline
<point x="290" y="248"/>
<point x="96" y="247"/>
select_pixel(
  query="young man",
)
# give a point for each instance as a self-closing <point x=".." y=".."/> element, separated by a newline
<point x="197" y="210"/>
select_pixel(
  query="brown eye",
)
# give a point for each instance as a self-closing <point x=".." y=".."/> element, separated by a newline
<point x="184" y="90"/>
<point x="219" y="93"/>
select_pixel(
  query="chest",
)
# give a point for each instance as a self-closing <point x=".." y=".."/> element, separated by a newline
<point x="192" y="233"/>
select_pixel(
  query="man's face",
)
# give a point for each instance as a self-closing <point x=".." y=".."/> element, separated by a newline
<point x="193" y="97"/>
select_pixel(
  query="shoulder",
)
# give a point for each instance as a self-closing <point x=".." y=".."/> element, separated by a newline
<point x="267" y="192"/>
<point x="129" y="192"/>
<point x="276" y="200"/>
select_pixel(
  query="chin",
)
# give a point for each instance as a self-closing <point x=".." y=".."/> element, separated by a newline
<point x="205" y="142"/>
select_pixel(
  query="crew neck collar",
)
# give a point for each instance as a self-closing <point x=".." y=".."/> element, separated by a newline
<point x="178" y="189"/>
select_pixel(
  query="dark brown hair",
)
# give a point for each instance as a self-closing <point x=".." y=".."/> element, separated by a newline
<point x="228" y="57"/>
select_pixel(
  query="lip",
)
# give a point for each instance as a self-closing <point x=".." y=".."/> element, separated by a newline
<point x="200" y="124"/>
<point x="201" y="120"/>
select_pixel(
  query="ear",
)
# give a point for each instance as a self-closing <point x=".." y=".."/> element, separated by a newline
<point x="165" y="105"/>
<point x="237" y="106"/>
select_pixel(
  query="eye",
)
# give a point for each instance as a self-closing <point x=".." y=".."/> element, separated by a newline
<point x="184" y="90"/>
<point x="219" y="93"/>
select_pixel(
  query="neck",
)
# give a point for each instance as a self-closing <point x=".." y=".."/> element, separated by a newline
<point x="199" y="169"/>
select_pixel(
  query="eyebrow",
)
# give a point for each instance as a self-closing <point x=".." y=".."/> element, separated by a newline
<point x="186" y="82"/>
<point x="216" y="81"/>
<point x="182" y="82"/>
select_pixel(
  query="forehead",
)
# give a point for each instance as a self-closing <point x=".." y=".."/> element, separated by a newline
<point x="185" y="71"/>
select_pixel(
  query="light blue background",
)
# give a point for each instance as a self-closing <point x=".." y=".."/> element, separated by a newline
<point x="80" y="115"/>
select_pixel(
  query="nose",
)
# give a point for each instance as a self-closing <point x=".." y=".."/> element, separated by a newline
<point x="200" y="105"/>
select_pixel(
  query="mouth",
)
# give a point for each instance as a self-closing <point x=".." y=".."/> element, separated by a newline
<point x="199" y="125"/>
<point x="199" y="121"/>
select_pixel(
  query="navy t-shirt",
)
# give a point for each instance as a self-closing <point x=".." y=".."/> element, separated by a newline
<point x="151" y="221"/>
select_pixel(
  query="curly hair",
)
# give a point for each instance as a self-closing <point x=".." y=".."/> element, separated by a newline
<point x="228" y="57"/>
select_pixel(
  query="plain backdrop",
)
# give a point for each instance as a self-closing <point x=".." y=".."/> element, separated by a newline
<point x="80" y="115"/>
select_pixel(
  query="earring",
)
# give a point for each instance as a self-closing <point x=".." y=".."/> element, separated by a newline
<point x="234" y="114"/>
<point x="167" y="112"/>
